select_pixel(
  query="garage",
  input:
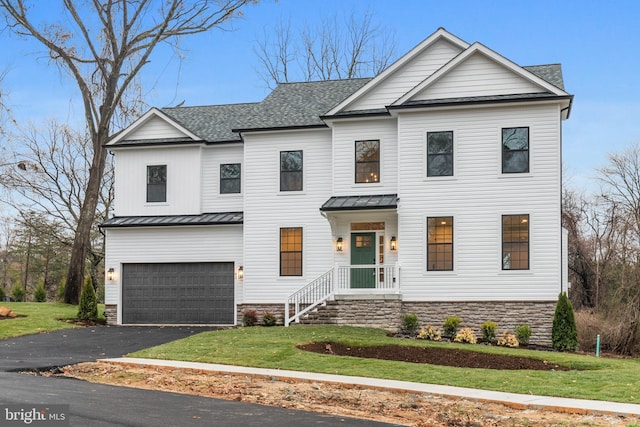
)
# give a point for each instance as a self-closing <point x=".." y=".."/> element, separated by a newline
<point x="178" y="293"/>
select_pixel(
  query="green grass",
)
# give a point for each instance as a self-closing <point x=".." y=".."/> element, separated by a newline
<point x="40" y="317"/>
<point x="591" y="378"/>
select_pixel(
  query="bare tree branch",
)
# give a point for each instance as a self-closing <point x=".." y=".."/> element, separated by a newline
<point x="355" y="47"/>
<point x="103" y="45"/>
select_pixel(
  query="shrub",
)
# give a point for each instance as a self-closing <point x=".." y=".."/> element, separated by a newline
<point x="268" y="319"/>
<point x="40" y="294"/>
<point x="488" y="331"/>
<point x="17" y="293"/>
<point x="523" y="333"/>
<point x="466" y="335"/>
<point x="564" y="334"/>
<point x="507" y="340"/>
<point x="88" y="307"/>
<point x="2" y="294"/>
<point x="60" y="290"/>
<point x="249" y="318"/>
<point x="430" y="333"/>
<point x="410" y="324"/>
<point x="450" y="326"/>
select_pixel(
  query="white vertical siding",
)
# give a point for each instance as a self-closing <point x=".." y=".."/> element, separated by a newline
<point x="183" y="180"/>
<point x="212" y="158"/>
<point x="408" y="76"/>
<point x="267" y="210"/>
<point x="345" y="134"/>
<point x="170" y="244"/>
<point x="477" y="76"/>
<point x="477" y="196"/>
<point x="155" y="128"/>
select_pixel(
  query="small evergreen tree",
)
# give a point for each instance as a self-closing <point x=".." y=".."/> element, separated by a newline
<point x="88" y="307"/>
<point x="564" y="333"/>
<point x="40" y="294"/>
<point x="18" y="293"/>
<point x="2" y="294"/>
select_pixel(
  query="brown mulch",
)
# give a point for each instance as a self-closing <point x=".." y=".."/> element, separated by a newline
<point x="434" y="356"/>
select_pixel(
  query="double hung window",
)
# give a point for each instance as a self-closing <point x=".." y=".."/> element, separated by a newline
<point x="157" y="183"/>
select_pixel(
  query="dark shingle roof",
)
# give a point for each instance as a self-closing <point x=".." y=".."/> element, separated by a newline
<point x="290" y="105"/>
<point x="301" y="104"/>
<point x="552" y="73"/>
<point x="352" y="203"/>
<point x="225" y="218"/>
<point x="214" y="122"/>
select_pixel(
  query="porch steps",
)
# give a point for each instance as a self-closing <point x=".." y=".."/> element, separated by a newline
<point x="325" y="314"/>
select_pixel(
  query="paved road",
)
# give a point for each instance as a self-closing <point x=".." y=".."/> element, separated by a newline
<point x="102" y="405"/>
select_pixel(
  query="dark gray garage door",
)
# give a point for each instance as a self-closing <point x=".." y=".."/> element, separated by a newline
<point x="180" y="293"/>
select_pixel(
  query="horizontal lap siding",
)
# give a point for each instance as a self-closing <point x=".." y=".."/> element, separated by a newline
<point x="183" y="181"/>
<point x="212" y="158"/>
<point x="344" y="137"/>
<point x="267" y="210"/>
<point x="170" y="245"/>
<point x="477" y="76"/>
<point x="476" y="197"/>
<point x="408" y="76"/>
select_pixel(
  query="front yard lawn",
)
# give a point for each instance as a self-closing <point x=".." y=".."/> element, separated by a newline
<point x="590" y="377"/>
<point x="35" y="317"/>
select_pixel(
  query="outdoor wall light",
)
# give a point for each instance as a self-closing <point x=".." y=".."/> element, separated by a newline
<point x="111" y="274"/>
<point x="393" y="244"/>
<point x="240" y="273"/>
<point x="339" y="244"/>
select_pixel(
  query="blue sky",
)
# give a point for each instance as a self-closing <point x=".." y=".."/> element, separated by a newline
<point x="595" y="41"/>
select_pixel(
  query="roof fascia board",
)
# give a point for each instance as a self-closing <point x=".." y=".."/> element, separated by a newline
<point x="564" y="100"/>
<point x="440" y="33"/>
<point x="280" y="129"/>
<point x="479" y="48"/>
<point x="153" y="112"/>
<point x="154" y="144"/>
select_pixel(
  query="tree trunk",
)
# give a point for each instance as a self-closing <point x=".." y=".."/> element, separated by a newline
<point x="82" y="240"/>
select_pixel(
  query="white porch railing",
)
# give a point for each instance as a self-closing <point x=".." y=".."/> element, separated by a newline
<point x="343" y="280"/>
<point x="309" y="297"/>
<point x="375" y="279"/>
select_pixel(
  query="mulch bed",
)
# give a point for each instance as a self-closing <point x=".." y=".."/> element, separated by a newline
<point x="434" y="356"/>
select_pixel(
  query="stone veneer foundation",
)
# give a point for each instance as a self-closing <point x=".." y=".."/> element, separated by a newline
<point x="386" y="311"/>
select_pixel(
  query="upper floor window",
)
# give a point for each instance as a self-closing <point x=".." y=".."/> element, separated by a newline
<point x="230" y="178"/>
<point x="440" y="243"/>
<point x="515" y="242"/>
<point x="291" y="252"/>
<point x="157" y="183"/>
<point x="367" y="161"/>
<point x="515" y="150"/>
<point x="440" y="153"/>
<point x="291" y="170"/>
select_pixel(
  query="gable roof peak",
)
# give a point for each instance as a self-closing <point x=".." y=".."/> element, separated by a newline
<point x="440" y="34"/>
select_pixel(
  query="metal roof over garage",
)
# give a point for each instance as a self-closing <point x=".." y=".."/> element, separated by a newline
<point x="224" y="218"/>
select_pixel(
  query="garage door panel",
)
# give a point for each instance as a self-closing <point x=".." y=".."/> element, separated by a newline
<point x="178" y="293"/>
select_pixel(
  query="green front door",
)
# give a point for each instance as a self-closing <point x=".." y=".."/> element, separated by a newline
<point x="363" y="252"/>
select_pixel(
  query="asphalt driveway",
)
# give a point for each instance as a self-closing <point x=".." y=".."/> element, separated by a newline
<point x="70" y="346"/>
<point x="103" y="405"/>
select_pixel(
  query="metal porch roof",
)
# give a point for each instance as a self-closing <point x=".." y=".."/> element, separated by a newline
<point x="351" y="203"/>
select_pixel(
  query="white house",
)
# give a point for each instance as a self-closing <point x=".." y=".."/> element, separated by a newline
<point x="433" y="188"/>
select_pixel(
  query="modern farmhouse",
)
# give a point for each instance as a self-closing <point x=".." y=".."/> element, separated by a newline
<point x="433" y="188"/>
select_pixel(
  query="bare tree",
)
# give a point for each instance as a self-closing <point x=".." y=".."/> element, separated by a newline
<point x="49" y="177"/>
<point x="103" y="45"/>
<point x="355" y="47"/>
